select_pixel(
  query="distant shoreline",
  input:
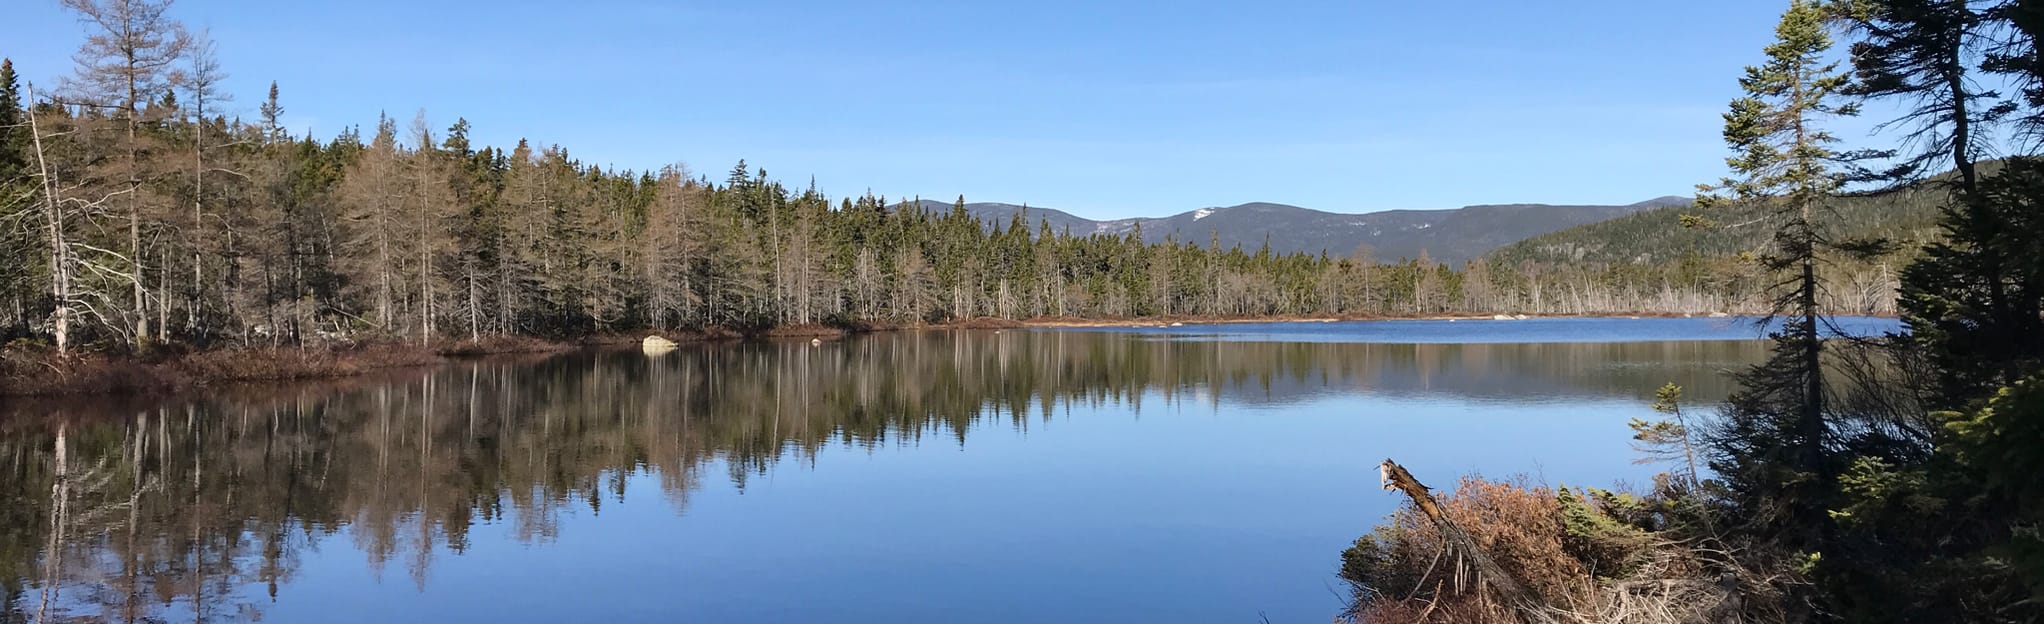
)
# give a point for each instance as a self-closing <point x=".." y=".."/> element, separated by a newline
<point x="1198" y="320"/>
<point x="28" y="372"/>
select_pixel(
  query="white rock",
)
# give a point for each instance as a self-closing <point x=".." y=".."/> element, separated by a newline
<point x="656" y="345"/>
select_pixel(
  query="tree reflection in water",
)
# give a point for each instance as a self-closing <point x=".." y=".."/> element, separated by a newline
<point x="202" y="509"/>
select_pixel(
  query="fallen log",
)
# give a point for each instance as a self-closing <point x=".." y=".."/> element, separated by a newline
<point x="1486" y="570"/>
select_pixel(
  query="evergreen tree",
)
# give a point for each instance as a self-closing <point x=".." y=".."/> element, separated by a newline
<point x="271" y="111"/>
<point x="19" y="248"/>
<point x="1970" y="301"/>
<point x="1919" y="53"/>
<point x="1973" y="300"/>
<point x="1773" y="450"/>
<point x="14" y="139"/>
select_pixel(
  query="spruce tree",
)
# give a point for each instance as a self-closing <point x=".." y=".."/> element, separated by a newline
<point x="18" y="249"/>
<point x="1972" y="300"/>
<point x="13" y="126"/>
<point x="1772" y="449"/>
<point x="271" y="111"/>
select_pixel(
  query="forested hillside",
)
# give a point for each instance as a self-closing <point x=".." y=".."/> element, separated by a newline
<point x="1450" y="236"/>
<point x="1907" y="216"/>
<point x="1719" y="249"/>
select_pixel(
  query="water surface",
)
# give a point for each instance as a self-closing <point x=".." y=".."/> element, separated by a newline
<point x="1177" y="474"/>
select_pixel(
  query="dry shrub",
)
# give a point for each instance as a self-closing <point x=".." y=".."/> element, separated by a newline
<point x="1442" y="606"/>
<point x="286" y="363"/>
<point x="1519" y="526"/>
<point x="1585" y="563"/>
<point x="32" y="373"/>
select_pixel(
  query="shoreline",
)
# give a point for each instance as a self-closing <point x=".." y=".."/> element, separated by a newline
<point x="1166" y="321"/>
<point x="32" y="373"/>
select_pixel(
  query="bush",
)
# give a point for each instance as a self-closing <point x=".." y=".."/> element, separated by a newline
<point x="1519" y="526"/>
<point x="1606" y="546"/>
<point x="1588" y="555"/>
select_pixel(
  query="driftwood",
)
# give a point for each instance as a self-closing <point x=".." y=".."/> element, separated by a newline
<point x="1488" y="574"/>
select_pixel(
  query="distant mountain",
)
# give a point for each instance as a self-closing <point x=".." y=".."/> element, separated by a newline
<point x="1451" y="236"/>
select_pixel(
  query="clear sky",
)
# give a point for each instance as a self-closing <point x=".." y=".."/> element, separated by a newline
<point x="1102" y="108"/>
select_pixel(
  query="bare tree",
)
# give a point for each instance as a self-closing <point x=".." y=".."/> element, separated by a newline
<point x="53" y="222"/>
<point x="127" y="61"/>
<point x="432" y="199"/>
<point x="203" y="79"/>
<point x="79" y="270"/>
<point x="373" y="194"/>
<point x="671" y="245"/>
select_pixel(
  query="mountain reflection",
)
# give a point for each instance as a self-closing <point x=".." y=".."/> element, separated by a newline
<point x="201" y="510"/>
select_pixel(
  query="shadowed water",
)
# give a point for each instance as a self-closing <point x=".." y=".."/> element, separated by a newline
<point x="1014" y="476"/>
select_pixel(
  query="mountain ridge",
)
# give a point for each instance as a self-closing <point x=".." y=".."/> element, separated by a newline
<point x="1452" y="235"/>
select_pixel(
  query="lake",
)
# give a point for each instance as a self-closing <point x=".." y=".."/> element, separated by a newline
<point x="1184" y="474"/>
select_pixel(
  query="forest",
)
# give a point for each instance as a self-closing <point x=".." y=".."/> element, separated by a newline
<point x="140" y="209"/>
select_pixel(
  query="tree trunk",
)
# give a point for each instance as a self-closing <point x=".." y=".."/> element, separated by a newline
<point x="1812" y="422"/>
<point x="163" y="289"/>
<point x="1488" y="573"/>
<point x="60" y="266"/>
<point x="135" y="210"/>
<point x="474" y="302"/>
<point x="198" y="217"/>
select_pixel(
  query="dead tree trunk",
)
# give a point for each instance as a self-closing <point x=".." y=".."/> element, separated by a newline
<point x="60" y="264"/>
<point x="1488" y="573"/>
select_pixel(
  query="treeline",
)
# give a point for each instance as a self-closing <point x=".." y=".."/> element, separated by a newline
<point x="137" y="210"/>
<point x="1718" y="250"/>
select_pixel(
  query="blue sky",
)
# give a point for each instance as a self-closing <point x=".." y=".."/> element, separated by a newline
<point x="1104" y="109"/>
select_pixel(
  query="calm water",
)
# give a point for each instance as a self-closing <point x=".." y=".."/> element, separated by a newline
<point x="1189" y="474"/>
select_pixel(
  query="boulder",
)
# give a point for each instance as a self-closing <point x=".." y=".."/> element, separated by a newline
<point x="656" y="345"/>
